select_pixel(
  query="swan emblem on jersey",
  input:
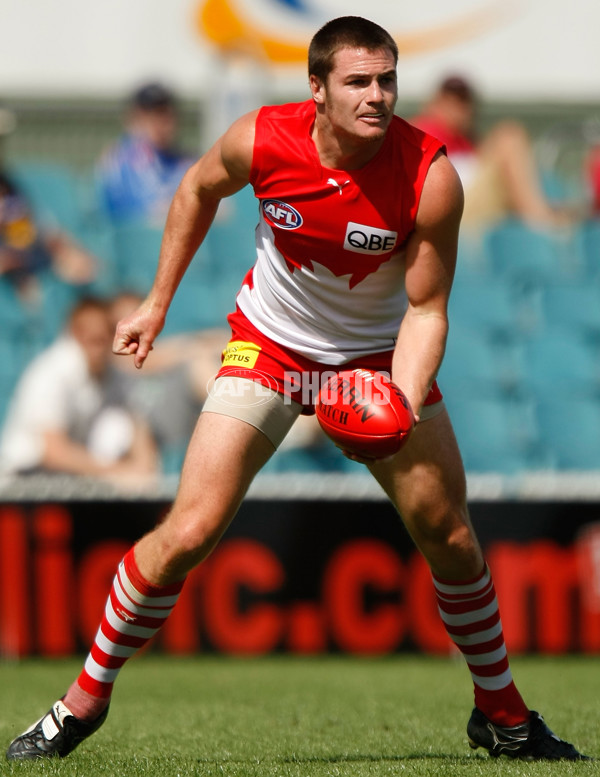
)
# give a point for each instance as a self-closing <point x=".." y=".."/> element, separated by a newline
<point x="281" y="215"/>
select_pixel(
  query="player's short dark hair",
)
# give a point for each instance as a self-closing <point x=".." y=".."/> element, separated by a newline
<point x="343" y="32"/>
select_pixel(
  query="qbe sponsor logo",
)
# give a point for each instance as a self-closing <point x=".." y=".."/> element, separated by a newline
<point x="281" y="215"/>
<point x="363" y="239"/>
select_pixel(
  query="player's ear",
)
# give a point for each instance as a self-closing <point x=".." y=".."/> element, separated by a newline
<point x="317" y="89"/>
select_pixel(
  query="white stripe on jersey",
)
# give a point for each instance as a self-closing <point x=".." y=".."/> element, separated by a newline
<point x="315" y="313"/>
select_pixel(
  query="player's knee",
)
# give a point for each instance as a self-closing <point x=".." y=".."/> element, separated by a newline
<point x="460" y="539"/>
<point x="186" y="543"/>
<point x="442" y="525"/>
<point x="196" y="541"/>
<point x="444" y="532"/>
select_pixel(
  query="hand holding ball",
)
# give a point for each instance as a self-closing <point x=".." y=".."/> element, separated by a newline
<point x="364" y="413"/>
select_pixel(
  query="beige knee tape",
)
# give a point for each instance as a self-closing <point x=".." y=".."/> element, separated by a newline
<point x="268" y="411"/>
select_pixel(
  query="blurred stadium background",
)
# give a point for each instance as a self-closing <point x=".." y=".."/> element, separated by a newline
<point x="522" y="372"/>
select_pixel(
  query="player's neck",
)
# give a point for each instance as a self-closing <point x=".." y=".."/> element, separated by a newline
<point x="344" y="152"/>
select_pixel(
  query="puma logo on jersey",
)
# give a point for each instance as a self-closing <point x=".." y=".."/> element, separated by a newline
<point x="281" y="215"/>
<point x="363" y="239"/>
<point x="340" y="186"/>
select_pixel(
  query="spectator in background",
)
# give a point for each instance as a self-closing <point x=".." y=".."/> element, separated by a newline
<point x="68" y="414"/>
<point x="170" y="392"/>
<point x="139" y="174"/>
<point x="497" y="171"/>
<point x="28" y="247"/>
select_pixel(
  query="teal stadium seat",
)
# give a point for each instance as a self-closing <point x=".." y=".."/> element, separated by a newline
<point x="231" y="241"/>
<point x="588" y="239"/>
<point x="474" y="366"/>
<point x="574" y="306"/>
<point x="19" y="334"/>
<point x="10" y="360"/>
<point x="136" y="250"/>
<point x="198" y="304"/>
<point x="54" y="192"/>
<point x="7" y="387"/>
<point x="555" y="186"/>
<point x="561" y="363"/>
<point x="23" y="329"/>
<point x="97" y="238"/>
<point x="200" y="299"/>
<point x="496" y="434"/>
<point x="526" y="256"/>
<point x="571" y="431"/>
<point x="12" y="312"/>
<point x="57" y="301"/>
<point x="484" y="304"/>
<point x="472" y="261"/>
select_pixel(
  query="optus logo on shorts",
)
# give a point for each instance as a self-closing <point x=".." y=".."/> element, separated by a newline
<point x="363" y="239"/>
<point x="280" y="214"/>
<point x="240" y="354"/>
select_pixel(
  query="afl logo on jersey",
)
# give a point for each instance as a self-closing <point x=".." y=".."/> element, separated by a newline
<point x="281" y="215"/>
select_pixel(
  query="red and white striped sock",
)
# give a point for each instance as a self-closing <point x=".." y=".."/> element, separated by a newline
<point x="135" y="611"/>
<point x="469" y="610"/>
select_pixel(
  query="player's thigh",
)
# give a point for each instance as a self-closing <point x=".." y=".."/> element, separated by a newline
<point x="223" y="456"/>
<point x="426" y="479"/>
<point x="236" y="434"/>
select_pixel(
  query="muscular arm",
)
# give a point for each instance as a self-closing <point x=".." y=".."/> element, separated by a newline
<point x="222" y="171"/>
<point x="430" y="264"/>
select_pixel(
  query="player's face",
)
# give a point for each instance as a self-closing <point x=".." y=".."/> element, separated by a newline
<point x="360" y="93"/>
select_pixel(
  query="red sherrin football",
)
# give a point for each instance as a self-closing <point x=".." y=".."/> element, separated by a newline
<point x="364" y="413"/>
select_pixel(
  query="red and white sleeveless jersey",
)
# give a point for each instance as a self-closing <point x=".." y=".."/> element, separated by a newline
<point x="329" y="276"/>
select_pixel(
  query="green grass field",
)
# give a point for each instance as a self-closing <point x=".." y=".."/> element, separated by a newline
<point x="299" y="717"/>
